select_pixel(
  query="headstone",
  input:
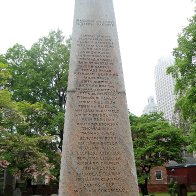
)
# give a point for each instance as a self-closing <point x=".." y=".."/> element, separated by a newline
<point x="9" y="184"/>
<point x="97" y="157"/>
<point x="194" y="60"/>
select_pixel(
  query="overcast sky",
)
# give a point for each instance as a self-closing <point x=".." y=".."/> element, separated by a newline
<point x="147" y="30"/>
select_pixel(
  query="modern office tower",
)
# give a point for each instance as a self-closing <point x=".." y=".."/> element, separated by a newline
<point x="164" y="88"/>
<point x="151" y="107"/>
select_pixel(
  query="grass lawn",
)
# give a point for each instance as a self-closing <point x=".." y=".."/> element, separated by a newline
<point x="167" y="194"/>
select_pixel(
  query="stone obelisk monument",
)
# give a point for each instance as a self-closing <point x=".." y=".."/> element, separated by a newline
<point x="97" y="157"/>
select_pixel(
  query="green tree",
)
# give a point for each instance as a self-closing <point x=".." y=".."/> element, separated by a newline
<point x="8" y="113"/>
<point x="36" y="93"/>
<point x="26" y="153"/>
<point x="40" y="76"/>
<point x="184" y="73"/>
<point x="155" y="142"/>
<point x="4" y="75"/>
<point x="192" y="138"/>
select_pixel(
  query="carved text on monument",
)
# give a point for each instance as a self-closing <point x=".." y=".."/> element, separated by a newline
<point x="87" y="22"/>
<point x="97" y="113"/>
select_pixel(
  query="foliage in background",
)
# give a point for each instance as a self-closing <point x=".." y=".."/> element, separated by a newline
<point x="184" y="73"/>
<point x="24" y="155"/>
<point x="155" y="142"/>
<point x="33" y="86"/>
<point x="39" y="75"/>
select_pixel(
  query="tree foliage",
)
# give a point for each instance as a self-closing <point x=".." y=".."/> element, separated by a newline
<point x="155" y="142"/>
<point x="8" y="112"/>
<point x="184" y="73"/>
<point x="33" y="87"/>
<point x="39" y="76"/>
<point x="24" y="155"/>
<point x="4" y="75"/>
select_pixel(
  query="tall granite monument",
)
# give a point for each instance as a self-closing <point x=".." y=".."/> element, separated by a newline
<point x="97" y="157"/>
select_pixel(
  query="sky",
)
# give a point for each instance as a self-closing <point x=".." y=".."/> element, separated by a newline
<point x="147" y="30"/>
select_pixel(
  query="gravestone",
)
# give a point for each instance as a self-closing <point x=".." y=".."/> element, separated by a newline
<point x="97" y="157"/>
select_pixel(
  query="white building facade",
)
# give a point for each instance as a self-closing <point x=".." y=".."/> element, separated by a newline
<point x="164" y="88"/>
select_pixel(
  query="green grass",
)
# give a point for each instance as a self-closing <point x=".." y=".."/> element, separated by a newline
<point x="167" y="194"/>
<point x="192" y="194"/>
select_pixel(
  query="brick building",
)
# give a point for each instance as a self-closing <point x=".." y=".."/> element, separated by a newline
<point x="158" y="179"/>
<point x="184" y="174"/>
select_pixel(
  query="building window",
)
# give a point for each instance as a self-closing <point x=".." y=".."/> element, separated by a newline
<point x="158" y="175"/>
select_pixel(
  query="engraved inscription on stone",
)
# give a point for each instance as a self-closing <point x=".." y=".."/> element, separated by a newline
<point x="97" y="154"/>
<point x="97" y="157"/>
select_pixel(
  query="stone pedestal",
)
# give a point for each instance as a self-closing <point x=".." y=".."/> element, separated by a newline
<point x="97" y="157"/>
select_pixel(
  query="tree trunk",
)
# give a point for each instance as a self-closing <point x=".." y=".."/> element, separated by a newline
<point x="144" y="188"/>
<point x="62" y="102"/>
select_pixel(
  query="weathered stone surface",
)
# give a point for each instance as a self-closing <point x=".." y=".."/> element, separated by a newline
<point x="97" y="156"/>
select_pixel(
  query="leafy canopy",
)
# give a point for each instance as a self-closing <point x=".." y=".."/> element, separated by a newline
<point x="155" y="142"/>
<point x="39" y="76"/>
<point x="24" y="155"/>
<point x="184" y="73"/>
<point x="32" y="104"/>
